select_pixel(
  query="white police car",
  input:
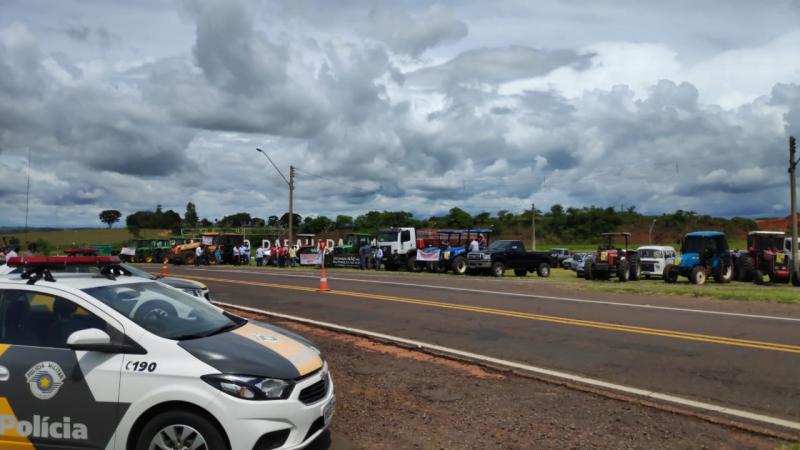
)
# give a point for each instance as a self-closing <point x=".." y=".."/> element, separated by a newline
<point x="113" y="361"/>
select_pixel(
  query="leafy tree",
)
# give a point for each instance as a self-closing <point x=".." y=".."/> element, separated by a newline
<point x="148" y="219"/>
<point x="110" y="217"/>
<point x="205" y="223"/>
<point x="236" y="220"/>
<point x="317" y="224"/>
<point x="273" y="221"/>
<point x="190" y="217"/>
<point x="458" y="218"/>
<point x="284" y="221"/>
<point x="344" y="222"/>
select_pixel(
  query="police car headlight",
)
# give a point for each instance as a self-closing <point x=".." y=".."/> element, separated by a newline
<point x="193" y="292"/>
<point x="250" y="388"/>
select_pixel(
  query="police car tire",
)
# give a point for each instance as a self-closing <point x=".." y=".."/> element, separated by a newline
<point x="210" y="433"/>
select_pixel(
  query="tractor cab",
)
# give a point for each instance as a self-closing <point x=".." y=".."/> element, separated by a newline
<point x="351" y="243"/>
<point x="614" y="246"/>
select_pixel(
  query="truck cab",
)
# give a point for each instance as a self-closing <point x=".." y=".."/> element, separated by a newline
<point x="399" y="247"/>
<point x="654" y="259"/>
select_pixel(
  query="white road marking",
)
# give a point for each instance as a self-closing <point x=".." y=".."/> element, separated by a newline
<point x="517" y="294"/>
<point x="704" y="406"/>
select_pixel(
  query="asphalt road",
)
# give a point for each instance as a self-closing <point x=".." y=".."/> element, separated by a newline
<point x="743" y="355"/>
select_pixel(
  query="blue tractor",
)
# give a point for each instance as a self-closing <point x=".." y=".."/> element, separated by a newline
<point x="704" y="254"/>
<point x="454" y="246"/>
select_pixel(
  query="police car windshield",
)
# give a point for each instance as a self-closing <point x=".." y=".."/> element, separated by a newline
<point x="164" y="311"/>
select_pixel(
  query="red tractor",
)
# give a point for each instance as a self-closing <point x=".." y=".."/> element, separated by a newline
<point x="611" y="261"/>
<point x="765" y="257"/>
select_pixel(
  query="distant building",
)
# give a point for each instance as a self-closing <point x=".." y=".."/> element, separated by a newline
<point x="776" y="223"/>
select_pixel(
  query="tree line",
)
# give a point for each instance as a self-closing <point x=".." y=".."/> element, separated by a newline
<point x="558" y="224"/>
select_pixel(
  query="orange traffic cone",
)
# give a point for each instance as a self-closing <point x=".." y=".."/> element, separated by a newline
<point x="323" y="281"/>
<point x="165" y="269"/>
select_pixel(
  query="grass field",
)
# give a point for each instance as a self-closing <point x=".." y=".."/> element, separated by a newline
<point x="84" y="236"/>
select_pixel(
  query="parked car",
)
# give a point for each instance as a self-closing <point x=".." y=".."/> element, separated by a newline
<point x="579" y="268"/>
<point x="654" y="259"/>
<point x="560" y="255"/>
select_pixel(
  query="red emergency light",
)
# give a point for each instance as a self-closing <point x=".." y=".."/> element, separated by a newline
<point x="61" y="261"/>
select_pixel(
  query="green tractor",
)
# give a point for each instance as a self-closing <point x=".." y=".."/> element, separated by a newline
<point x="346" y="254"/>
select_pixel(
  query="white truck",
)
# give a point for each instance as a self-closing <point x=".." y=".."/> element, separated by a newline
<point x="399" y="247"/>
<point x="654" y="259"/>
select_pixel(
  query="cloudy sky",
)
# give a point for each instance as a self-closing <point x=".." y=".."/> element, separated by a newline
<point x="415" y="105"/>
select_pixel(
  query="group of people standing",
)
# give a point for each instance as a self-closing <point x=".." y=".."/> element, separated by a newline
<point x="282" y="256"/>
<point x="370" y="256"/>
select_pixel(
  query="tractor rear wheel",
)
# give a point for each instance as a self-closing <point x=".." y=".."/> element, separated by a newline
<point x="587" y="271"/>
<point x="498" y="269"/>
<point x="747" y="268"/>
<point x="520" y="272"/>
<point x="623" y="271"/>
<point x="459" y="265"/>
<point x="543" y="270"/>
<point x="698" y="275"/>
<point x="635" y="267"/>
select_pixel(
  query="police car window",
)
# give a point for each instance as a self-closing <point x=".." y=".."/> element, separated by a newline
<point x="165" y="311"/>
<point x="30" y="318"/>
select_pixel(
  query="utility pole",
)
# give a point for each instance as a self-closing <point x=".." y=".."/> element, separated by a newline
<point x="793" y="187"/>
<point x="290" y="183"/>
<point x="650" y="235"/>
<point x="291" y="205"/>
<point x="533" y="225"/>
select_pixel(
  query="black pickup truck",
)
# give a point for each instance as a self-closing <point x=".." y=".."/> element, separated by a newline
<point x="504" y="255"/>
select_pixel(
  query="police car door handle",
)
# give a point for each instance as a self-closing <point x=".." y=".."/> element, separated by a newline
<point x="4" y="374"/>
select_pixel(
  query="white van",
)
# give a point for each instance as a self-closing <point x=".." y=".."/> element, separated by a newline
<point x="654" y="258"/>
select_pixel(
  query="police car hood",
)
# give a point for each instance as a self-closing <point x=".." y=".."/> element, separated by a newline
<point x="257" y="349"/>
<point x="181" y="283"/>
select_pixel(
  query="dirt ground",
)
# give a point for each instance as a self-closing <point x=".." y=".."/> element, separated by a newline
<point x="392" y="398"/>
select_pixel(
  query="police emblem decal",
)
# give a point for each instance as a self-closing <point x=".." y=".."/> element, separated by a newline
<point x="266" y="338"/>
<point x="45" y="379"/>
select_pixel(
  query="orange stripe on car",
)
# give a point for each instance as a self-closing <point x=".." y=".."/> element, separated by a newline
<point x="302" y="357"/>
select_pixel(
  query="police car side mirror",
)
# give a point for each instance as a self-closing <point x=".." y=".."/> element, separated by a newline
<point x="92" y="340"/>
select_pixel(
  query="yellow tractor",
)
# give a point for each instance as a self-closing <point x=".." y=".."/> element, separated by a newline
<point x="186" y="253"/>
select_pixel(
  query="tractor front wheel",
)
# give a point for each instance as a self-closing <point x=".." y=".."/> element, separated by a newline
<point x="623" y="272"/>
<point x="459" y="265"/>
<point x="723" y="273"/>
<point x="698" y="275"/>
<point x="670" y="274"/>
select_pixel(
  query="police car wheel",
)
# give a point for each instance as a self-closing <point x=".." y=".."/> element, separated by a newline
<point x="178" y="430"/>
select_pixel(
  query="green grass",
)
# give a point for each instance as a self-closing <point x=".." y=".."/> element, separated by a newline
<point x="85" y="236"/>
<point x="779" y="293"/>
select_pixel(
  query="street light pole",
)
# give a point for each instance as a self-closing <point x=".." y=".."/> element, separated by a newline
<point x="793" y="187"/>
<point x="290" y="183"/>
<point x="533" y="226"/>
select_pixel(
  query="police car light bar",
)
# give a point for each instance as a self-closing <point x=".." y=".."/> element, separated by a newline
<point x="62" y="261"/>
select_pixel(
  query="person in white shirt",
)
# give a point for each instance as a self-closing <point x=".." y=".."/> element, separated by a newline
<point x="12" y="253"/>
<point x="244" y="252"/>
<point x="236" y="255"/>
<point x="259" y="256"/>
<point x="198" y="255"/>
<point x="474" y="246"/>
